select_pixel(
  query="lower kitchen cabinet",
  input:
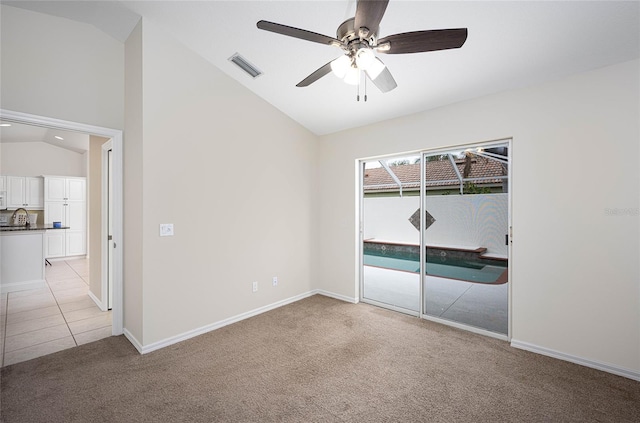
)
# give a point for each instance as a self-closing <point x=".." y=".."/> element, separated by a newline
<point x="65" y="242"/>
<point x="54" y="243"/>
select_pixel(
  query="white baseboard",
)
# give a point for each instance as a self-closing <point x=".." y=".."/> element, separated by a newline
<point x="217" y="325"/>
<point x="336" y="296"/>
<point x="133" y="340"/>
<point x="620" y="371"/>
<point x="99" y="303"/>
<point x="22" y="286"/>
<point x="143" y="349"/>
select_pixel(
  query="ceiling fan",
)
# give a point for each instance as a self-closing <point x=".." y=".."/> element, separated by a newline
<point x="358" y="38"/>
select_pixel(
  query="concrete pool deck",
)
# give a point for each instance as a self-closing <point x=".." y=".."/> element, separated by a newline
<point x="480" y="305"/>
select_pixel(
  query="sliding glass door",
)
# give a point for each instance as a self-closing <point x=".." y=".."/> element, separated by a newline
<point x="390" y="241"/>
<point x="465" y="198"/>
<point x="434" y="235"/>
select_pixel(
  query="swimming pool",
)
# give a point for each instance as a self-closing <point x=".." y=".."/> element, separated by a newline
<point x="467" y="270"/>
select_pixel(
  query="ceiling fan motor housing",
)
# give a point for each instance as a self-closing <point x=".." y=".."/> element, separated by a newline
<point x="350" y="36"/>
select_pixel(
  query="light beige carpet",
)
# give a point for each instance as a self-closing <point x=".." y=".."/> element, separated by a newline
<point x="317" y="360"/>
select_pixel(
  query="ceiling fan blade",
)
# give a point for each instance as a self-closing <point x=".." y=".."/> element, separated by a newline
<point x="290" y="31"/>
<point x="322" y="71"/>
<point x="384" y="81"/>
<point x="369" y="14"/>
<point x="421" y="41"/>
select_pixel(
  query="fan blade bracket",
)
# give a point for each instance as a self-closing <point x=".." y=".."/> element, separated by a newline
<point x="369" y="13"/>
<point x="383" y="47"/>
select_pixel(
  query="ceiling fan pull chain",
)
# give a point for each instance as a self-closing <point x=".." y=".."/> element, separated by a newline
<point x="365" y="89"/>
<point x="358" y="92"/>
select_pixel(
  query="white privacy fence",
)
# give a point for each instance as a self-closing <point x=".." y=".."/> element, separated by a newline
<point x="478" y="220"/>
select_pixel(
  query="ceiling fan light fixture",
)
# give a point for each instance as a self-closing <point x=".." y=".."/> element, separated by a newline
<point x="341" y="66"/>
<point x="365" y="58"/>
<point x="353" y="76"/>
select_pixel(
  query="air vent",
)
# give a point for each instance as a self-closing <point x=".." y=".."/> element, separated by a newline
<point x="243" y="64"/>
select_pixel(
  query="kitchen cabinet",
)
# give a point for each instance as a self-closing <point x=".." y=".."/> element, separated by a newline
<point x="3" y="192"/>
<point x="65" y="202"/>
<point x="58" y="188"/>
<point x="26" y="192"/>
<point x="22" y="257"/>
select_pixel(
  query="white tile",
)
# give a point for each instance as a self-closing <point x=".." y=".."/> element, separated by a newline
<point x="77" y="304"/>
<point x="93" y="335"/>
<point x="68" y="284"/>
<point x="16" y="328"/>
<point x="91" y="323"/>
<point x="3" y="304"/>
<point x="30" y="303"/>
<point x="30" y="293"/>
<point x="71" y="294"/>
<point x="71" y="299"/>
<point x="33" y="314"/>
<point x="85" y="313"/>
<point x="24" y="340"/>
<point x="39" y="350"/>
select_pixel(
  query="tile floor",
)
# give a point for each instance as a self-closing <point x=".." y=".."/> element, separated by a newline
<point x="61" y="315"/>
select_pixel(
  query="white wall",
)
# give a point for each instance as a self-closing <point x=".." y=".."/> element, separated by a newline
<point x="468" y="221"/>
<point x="233" y="174"/>
<point x="40" y="158"/>
<point x="132" y="195"/>
<point x="59" y="68"/>
<point x="575" y="155"/>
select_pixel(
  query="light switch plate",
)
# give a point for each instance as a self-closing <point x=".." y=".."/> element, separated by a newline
<point x="166" y="229"/>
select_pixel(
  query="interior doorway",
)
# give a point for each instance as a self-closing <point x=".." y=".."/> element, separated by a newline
<point x="435" y="235"/>
<point x="115" y="176"/>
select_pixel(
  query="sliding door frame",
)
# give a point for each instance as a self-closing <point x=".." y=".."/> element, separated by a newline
<point x="360" y="163"/>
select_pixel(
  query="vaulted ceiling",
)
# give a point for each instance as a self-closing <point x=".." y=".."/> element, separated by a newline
<point x="510" y="45"/>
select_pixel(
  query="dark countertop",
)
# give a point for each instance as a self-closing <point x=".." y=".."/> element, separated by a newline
<point x="36" y="227"/>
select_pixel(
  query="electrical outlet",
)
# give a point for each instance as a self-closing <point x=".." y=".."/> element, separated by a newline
<point x="166" y="229"/>
<point x="255" y="286"/>
<point x="275" y="281"/>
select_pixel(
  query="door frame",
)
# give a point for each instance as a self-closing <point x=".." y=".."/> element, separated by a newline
<point x="104" y="227"/>
<point x="116" y="137"/>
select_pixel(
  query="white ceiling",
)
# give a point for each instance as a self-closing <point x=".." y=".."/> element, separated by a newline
<point x="17" y="132"/>
<point x="510" y="45"/>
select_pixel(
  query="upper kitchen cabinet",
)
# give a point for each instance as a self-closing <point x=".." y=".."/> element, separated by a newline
<point x="26" y="192"/>
<point x="64" y="189"/>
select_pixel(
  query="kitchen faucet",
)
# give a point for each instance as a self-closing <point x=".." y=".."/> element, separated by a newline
<point x="13" y="216"/>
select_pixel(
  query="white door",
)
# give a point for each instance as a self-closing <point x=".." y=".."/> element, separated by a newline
<point x="75" y="243"/>
<point x="55" y="189"/>
<point x="55" y="212"/>
<point x="110" y="245"/>
<point x="34" y="192"/>
<point x="76" y="189"/>
<point x="75" y="216"/>
<point x="15" y="192"/>
<point x="55" y="243"/>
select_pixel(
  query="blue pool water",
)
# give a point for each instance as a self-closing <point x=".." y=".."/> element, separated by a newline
<point x="452" y="269"/>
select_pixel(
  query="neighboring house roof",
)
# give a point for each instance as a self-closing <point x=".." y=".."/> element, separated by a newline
<point x="439" y="174"/>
